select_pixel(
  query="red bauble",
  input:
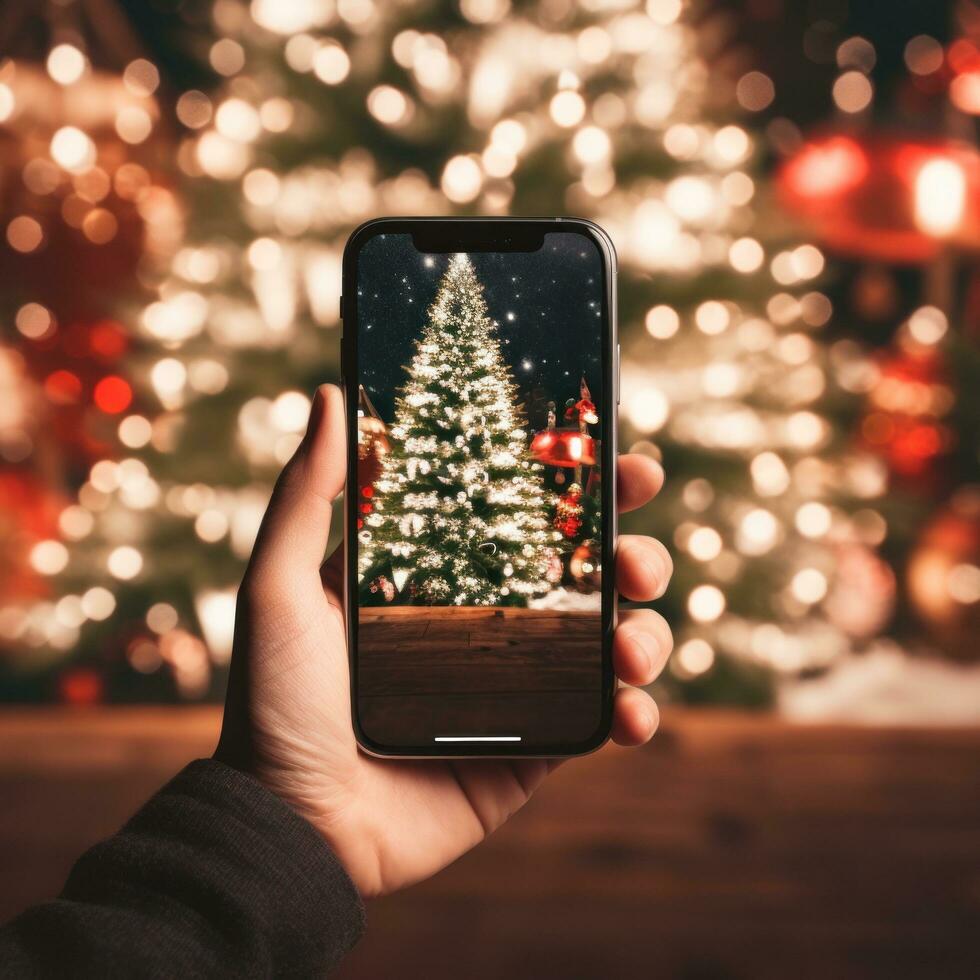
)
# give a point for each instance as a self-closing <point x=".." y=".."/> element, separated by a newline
<point x="885" y="197"/>
<point x="563" y="447"/>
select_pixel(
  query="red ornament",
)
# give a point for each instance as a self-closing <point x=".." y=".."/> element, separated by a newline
<point x="886" y="198"/>
<point x="112" y="395"/>
<point x="904" y="423"/>
<point x="563" y="447"/>
<point x="568" y="512"/>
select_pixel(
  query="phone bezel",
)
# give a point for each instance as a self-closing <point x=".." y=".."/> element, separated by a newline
<point x="486" y="234"/>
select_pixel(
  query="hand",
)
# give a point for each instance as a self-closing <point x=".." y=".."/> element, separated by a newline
<point x="287" y="717"/>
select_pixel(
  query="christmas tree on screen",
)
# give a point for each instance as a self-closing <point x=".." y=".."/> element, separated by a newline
<point x="459" y="515"/>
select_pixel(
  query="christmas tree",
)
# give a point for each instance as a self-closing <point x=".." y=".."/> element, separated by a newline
<point x="739" y="370"/>
<point x="460" y="515"/>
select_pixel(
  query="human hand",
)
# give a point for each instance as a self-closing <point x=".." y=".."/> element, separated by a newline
<point x="287" y="717"/>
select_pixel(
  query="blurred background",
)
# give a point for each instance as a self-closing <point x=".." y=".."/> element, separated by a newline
<point x="794" y="193"/>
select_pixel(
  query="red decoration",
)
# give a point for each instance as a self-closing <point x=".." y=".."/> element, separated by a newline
<point x="904" y="420"/>
<point x="112" y="395"/>
<point x="63" y="387"/>
<point x="80" y="686"/>
<point x="875" y="199"/>
<point x="568" y="513"/>
<point x="563" y="447"/>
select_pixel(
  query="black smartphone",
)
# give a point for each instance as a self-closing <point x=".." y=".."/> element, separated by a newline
<point x="481" y="375"/>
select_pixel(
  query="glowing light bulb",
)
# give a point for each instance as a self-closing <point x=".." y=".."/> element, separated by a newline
<point x="940" y="197"/>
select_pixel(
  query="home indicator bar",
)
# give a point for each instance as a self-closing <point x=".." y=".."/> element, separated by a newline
<point x="477" y="738"/>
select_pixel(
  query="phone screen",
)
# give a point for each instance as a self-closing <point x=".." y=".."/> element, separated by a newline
<point x="479" y="517"/>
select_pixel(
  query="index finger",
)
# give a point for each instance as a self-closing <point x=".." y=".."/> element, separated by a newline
<point x="639" y="479"/>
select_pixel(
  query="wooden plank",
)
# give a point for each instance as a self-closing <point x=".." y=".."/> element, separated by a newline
<point x="472" y="670"/>
<point x="733" y="846"/>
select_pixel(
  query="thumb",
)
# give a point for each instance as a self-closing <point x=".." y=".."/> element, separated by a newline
<point x="294" y="531"/>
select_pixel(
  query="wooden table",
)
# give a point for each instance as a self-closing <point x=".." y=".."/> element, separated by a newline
<point x="734" y="846"/>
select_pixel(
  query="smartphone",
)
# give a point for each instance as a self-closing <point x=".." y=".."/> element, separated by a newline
<point x="480" y="369"/>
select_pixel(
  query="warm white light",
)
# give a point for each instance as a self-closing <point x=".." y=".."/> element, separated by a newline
<point x="731" y="144"/>
<point x="124" y="562"/>
<point x="135" y="431"/>
<point x="594" y="45"/>
<point x="72" y="149"/>
<point x="720" y="379"/>
<point x="462" y="179"/>
<point x="264" y="254"/>
<point x="7" y="102"/>
<point x="211" y="525"/>
<point x="216" y="613"/>
<point x="98" y="603"/>
<point x="509" y="135"/>
<point x="567" y="108"/>
<point x="290" y="411"/>
<point x="928" y="325"/>
<point x="695" y="657"/>
<point x="290" y="17"/>
<point x="168" y="376"/>
<point x="331" y="64"/>
<point x="757" y="532"/>
<point x="662" y="322"/>
<point x="706" y="603"/>
<point x="221" y="157"/>
<point x="49" y="557"/>
<point x="809" y="585"/>
<point x="260" y="187"/>
<point x="276" y="114"/>
<point x="691" y="199"/>
<point x="133" y="124"/>
<point x="388" y="105"/>
<point x="664" y="11"/>
<point x="746" y="255"/>
<point x="712" y="317"/>
<point x="76" y="522"/>
<point x="237" y="120"/>
<point x="704" y="544"/>
<point x="66" y="64"/>
<point x="769" y="474"/>
<point x="591" y="145"/>
<point x="813" y="519"/>
<point x="648" y="408"/>
<point x="940" y="197"/>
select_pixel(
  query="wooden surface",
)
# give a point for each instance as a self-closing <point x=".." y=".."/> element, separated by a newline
<point x="732" y="847"/>
<point x="478" y="671"/>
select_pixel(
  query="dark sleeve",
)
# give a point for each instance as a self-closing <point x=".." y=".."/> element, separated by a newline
<point x="214" y="876"/>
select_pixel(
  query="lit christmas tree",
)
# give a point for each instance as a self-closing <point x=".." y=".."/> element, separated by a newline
<point x="739" y="370"/>
<point x="459" y="515"/>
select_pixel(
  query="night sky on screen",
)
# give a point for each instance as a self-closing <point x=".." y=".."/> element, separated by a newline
<point x="547" y="306"/>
